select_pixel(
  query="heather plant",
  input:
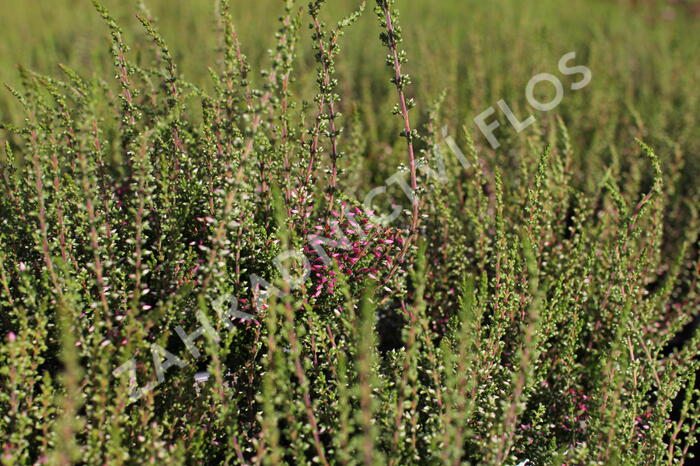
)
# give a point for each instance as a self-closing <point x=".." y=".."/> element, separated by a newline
<point x="189" y="274"/>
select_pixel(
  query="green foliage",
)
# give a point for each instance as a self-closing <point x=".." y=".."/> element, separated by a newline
<point x="187" y="275"/>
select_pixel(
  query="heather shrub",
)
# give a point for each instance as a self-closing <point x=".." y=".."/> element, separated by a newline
<point x="194" y="276"/>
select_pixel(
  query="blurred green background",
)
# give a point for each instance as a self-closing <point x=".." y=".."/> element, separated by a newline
<point x="643" y="55"/>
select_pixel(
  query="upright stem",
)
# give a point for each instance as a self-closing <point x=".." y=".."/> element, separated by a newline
<point x="392" y="45"/>
<point x="327" y="60"/>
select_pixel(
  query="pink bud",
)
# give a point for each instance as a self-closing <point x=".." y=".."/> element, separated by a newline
<point x="11" y="336"/>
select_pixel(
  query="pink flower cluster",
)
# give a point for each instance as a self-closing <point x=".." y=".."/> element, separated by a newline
<point x="355" y="246"/>
<point x="641" y="423"/>
<point x="577" y="422"/>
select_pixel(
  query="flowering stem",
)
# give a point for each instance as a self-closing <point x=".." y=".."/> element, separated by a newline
<point x="391" y="39"/>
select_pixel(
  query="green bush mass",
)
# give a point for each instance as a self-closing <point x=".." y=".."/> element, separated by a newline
<point x="232" y="238"/>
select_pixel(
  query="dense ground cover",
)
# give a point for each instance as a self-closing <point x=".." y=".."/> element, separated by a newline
<point x="210" y="253"/>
